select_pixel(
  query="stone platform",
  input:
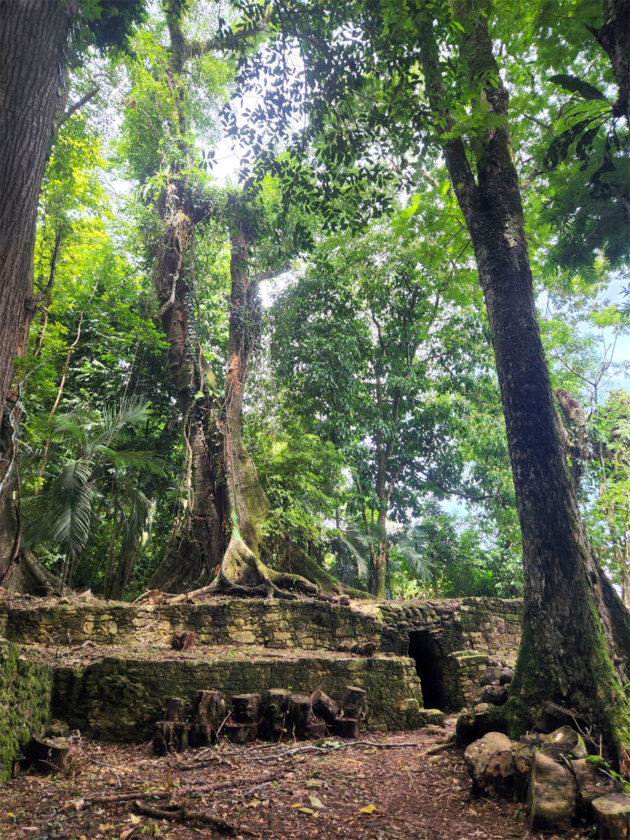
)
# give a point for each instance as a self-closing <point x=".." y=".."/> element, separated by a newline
<point x="119" y="697"/>
<point x="107" y="668"/>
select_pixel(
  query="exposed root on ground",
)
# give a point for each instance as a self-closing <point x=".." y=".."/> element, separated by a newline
<point x="243" y="573"/>
<point x="176" y="812"/>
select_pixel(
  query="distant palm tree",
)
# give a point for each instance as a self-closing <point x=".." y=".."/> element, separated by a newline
<point x="88" y="462"/>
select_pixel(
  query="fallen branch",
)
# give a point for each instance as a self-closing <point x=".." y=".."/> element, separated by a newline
<point x="337" y="746"/>
<point x="125" y="797"/>
<point x="180" y="814"/>
<point x="446" y="745"/>
<point x="221" y="787"/>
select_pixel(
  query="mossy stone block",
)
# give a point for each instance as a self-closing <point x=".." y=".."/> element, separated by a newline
<point x="25" y="695"/>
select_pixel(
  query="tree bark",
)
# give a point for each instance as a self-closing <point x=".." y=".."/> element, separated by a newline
<point x="380" y="557"/>
<point x="586" y="449"/>
<point x="197" y="545"/>
<point x="34" y="38"/>
<point x="221" y="535"/>
<point x="614" y="36"/>
<point x="242" y="570"/>
<point x="571" y="639"/>
<point x="577" y="445"/>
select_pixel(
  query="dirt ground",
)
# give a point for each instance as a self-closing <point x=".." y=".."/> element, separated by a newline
<point x="384" y="787"/>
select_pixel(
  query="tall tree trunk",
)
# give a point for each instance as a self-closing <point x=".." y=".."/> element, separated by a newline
<point x="221" y="531"/>
<point x="198" y="544"/>
<point x="34" y="36"/>
<point x="625" y="576"/>
<point x="380" y="551"/>
<point x="572" y="628"/>
<point x="122" y="566"/>
<point x="242" y="569"/>
<point x="220" y="534"/>
<point x="380" y="558"/>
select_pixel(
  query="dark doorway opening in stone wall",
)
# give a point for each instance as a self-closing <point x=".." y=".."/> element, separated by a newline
<point x="430" y="667"/>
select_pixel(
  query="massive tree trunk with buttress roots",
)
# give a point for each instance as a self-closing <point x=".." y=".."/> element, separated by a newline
<point x="219" y="537"/>
<point x="242" y="570"/>
<point x="574" y="647"/>
<point x="217" y="540"/>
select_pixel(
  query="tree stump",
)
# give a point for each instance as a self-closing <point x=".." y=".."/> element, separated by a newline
<point x="275" y="714"/>
<point x="170" y="735"/>
<point x="201" y="735"/>
<point x="176" y="709"/>
<point x="346" y="727"/>
<point x="207" y="715"/>
<point x="324" y="706"/>
<point x="300" y="713"/>
<point x="48" y="755"/>
<point x="246" y="708"/>
<point x="551" y="795"/>
<point x="208" y="708"/>
<point x="241" y="733"/>
<point x="368" y="649"/>
<point x="354" y="703"/>
<point x="185" y="640"/>
<point x="554" y="716"/>
<point x="613" y="816"/>
<point x="316" y="729"/>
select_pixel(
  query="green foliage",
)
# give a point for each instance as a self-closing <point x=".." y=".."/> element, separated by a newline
<point x="89" y="466"/>
<point x="379" y="404"/>
<point x="441" y="555"/>
<point x="108" y="24"/>
<point x="574" y="85"/>
<point x="301" y="473"/>
<point x="608" y="479"/>
<point x="367" y="344"/>
<point x="621" y="781"/>
<point x="573" y="148"/>
<point x="165" y="117"/>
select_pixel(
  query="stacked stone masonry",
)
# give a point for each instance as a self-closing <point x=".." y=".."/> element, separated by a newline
<point x="113" y="665"/>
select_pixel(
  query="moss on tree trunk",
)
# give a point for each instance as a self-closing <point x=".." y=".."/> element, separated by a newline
<point x="573" y="622"/>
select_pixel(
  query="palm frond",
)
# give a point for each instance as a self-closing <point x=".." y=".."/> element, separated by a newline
<point x="137" y="459"/>
<point x="131" y="412"/>
<point x="86" y="459"/>
<point x="134" y="411"/>
<point x="137" y="513"/>
<point x="357" y="541"/>
<point x="410" y="545"/>
<point x="73" y="495"/>
<point x="65" y="428"/>
<point x="418" y="561"/>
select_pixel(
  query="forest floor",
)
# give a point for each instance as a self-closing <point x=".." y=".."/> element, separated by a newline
<point x="384" y="787"/>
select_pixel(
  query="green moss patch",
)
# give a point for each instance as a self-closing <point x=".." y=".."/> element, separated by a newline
<point x="25" y="695"/>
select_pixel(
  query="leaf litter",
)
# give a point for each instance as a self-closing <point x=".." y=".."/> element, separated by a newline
<point x="385" y="787"/>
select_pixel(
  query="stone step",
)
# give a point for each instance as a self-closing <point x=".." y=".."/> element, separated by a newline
<point x="486" y="625"/>
<point x="309" y="625"/>
<point x="120" y="696"/>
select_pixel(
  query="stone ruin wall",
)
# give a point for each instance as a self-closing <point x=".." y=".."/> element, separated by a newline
<point x="118" y="690"/>
<point x="490" y="626"/>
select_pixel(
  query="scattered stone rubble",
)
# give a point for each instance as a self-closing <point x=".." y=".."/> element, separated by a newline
<point x="548" y="768"/>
